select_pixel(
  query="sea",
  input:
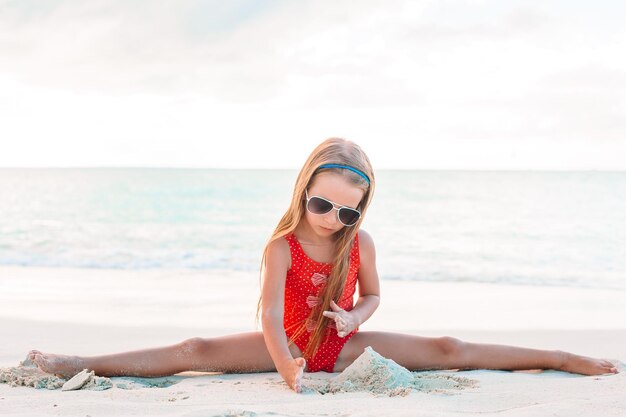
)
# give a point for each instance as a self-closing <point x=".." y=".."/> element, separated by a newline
<point x="539" y="228"/>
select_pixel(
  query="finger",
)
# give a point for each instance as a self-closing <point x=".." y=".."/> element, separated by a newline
<point x="297" y="386"/>
<point x="329" y="314"/>
<point x="334" y="306"/>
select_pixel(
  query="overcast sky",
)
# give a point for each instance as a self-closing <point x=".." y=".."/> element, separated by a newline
<point x="257" y="84"/>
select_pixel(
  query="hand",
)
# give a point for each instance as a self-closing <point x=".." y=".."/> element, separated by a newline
<point x="292" y="372"/>
<point x="345" y="321"/>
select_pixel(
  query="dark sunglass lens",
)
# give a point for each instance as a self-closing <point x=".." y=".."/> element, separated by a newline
<point x="319" y="206"/>
<point x="348" y="216"/>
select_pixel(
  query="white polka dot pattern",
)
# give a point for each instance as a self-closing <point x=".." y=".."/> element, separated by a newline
<point x="304" y="282"/>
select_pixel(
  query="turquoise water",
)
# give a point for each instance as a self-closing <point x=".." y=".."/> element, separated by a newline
<point x="543" y="228"/>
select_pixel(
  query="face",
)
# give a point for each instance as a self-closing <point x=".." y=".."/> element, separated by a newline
<point x="337" y="189"/>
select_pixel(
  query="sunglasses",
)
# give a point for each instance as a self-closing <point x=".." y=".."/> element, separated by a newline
<point x="318" y="205"/>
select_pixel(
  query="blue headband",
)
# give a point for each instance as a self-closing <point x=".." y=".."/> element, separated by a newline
<point x="345" y="167"/>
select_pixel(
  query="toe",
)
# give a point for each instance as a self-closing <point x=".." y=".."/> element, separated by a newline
<point x="32" y="353"/>
<point x="39" y="360"/>
<point x="612" y="365"/>
<point x="609" y="369"/>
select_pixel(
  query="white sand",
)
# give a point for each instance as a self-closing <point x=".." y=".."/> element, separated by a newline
<point x="370" y="372"/>
<point x="94" y="312"/>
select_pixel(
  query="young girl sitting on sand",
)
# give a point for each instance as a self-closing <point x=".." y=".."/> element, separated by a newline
<point x="309" y="271"/>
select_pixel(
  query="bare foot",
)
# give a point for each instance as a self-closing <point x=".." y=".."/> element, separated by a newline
<point x="587" y="366"/>
<point x="62" y="365"/>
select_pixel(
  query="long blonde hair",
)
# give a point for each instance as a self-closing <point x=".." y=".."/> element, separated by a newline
<point x="330" y="151"/>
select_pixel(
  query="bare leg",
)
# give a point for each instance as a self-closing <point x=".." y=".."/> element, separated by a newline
<point x="491" y="356"/>
<point x="420" y="353"/>
<point x="243" y="352"/>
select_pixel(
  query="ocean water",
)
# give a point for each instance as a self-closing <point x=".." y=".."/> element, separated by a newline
<point x="538" y="228"/>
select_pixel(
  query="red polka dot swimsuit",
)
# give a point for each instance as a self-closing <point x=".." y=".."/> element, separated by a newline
<point x="303" y="285"/>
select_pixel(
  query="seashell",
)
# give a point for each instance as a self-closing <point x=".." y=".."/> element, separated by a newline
<point x="78" y="380"/>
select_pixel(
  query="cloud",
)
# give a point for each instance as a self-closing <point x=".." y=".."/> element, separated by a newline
<point x="123" y="47"/>
<point x="438" y="73"/>
<point x="154" y="47"/>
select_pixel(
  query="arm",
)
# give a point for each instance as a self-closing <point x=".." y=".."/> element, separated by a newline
<point x="369" y="286"/>
<point x="365" y="307"/>
<point x="273" y="293"/>
<point x="369" y="291"/>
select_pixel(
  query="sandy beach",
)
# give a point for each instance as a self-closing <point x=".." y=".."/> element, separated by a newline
<point x="90" y="312"/>
<point x="155" y="154"/>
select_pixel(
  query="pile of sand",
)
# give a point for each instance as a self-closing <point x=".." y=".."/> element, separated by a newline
<point x="29" y="375"/>
<point x="374" y="373"/>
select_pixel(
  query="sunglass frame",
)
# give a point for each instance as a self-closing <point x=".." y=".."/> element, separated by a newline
<point x="333" y="204"/>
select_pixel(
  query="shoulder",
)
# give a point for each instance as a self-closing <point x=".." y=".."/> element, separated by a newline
<point x="274" y="278"/>
<point x="368" y="275"/>
<point x="365" y="239"/>
<point x="279" y="253"/>
<point x="366" y="244"/>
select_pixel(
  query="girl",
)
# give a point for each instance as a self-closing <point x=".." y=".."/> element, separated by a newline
<point x="309" y="272"/>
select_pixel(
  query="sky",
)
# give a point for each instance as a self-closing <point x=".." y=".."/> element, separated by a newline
<point x="450" y="84"/>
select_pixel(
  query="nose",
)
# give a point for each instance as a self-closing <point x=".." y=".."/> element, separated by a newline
<point x="331" y="217"/>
